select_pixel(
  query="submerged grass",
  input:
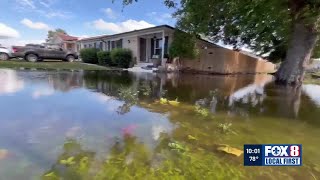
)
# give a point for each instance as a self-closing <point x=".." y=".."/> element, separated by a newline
<point x="17" y="64"/>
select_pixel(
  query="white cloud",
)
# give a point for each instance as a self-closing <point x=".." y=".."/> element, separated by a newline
<point x="110" y="13"/>
<point x="26" y="4"/>
<point x="82" y="36"/>
<point x="119" y="27"/>
<point x="35" y="25"/>
<point x="42" y="7"/>
<point x="8" y="32"/>
<point x="42" y="92"/>
<point x="163" y="18"/>
<point x="57" y="14"/>
<point x="46" y="3"/>
<point x="20" y="42"/>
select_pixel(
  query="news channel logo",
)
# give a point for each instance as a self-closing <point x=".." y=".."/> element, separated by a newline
<point x="273" y="155"/>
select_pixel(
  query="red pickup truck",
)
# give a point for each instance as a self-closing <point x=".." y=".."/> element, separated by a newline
<point x="34" y="53"/>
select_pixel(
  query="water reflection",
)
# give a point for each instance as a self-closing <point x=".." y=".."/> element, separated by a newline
<point x="108" y="120"/>
<point x="313" y="91"/>
<point x="9" y="82"/>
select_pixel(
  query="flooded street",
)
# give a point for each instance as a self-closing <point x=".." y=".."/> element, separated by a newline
<point x="112" y="125"/>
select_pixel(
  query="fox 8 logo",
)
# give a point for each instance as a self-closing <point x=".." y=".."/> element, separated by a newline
<point x="282" y="150"/>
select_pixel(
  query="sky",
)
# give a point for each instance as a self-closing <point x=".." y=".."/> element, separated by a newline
<point x="28" y="21"/>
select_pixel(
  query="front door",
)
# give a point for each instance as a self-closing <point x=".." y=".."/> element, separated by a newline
<point x="143" y="52"/>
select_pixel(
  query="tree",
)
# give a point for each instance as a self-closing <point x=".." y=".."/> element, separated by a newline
<point x="183" y="45"/>
<point x="266" y="26"/>
<point x="52" y="33"/>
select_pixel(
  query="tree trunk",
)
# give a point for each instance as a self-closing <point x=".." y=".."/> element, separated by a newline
<point x="302" y="43"/>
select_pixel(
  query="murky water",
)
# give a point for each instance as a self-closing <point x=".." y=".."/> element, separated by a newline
<point x="103" y="125"/>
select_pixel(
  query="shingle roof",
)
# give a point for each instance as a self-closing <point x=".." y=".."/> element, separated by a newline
<point x="104" y="36"/>
<point x="66" y="37"/>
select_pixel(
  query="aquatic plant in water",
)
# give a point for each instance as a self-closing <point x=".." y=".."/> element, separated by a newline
<point x="225" y="127"/>
<point x="177" y="147"/>
<point x="202" y="111"/>
<point x="68" y="162"/>
<point x="145" y="89"/>
<point x="129" y="95"/>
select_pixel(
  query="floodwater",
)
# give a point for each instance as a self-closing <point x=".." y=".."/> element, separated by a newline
<point x="104" y="125"/>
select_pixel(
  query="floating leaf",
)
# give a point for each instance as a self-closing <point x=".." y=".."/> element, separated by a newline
<point x="230" y="150"/>
<point x="51" y="175"/>
<point x="69" y="161"/>
<point x="192" y="137"/>
<point x="174" y="103"/>
<point x="163" y="101"/>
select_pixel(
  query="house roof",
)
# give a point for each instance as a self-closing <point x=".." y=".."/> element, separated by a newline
<point x="66" y="37"/>
<point x="124" y="33"/>
<point x="140" y="30"/>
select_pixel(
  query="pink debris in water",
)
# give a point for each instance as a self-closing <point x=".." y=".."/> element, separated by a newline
<point x="129" y="129"/>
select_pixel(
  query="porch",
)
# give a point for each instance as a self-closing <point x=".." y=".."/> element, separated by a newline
<point x="153" y="47"/>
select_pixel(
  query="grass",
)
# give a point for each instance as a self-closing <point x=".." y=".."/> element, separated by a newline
<point x="52" y="65"/>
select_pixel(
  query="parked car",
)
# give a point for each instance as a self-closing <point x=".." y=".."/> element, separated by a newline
<point x="5" y="54"/>
<point x="34" y="53"/>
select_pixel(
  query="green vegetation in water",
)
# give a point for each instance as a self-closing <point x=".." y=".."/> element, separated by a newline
<point x="225" y="127"/>
<point x="145" y="89"/>
<point x="202" y="111"/>
<point x="131" y="159"/>
<point x="51" y="65"/>
<point x="73" y="163"/>
<point x="68" y="162"/>
<point x="129" y="95"/>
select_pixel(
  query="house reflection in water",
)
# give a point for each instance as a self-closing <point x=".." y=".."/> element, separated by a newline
<point x="9" y="82"/>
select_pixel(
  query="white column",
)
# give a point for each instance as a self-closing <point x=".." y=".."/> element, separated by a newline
<point x="163" y="41"/>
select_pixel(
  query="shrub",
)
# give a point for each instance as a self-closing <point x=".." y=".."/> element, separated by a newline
<point x="121" y="57"/>
<point x="104" y="58"/>
<point x="89" y="55"/>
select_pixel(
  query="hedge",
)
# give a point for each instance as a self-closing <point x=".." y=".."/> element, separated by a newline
<point x="104" y="58"/>
<point x="121" y="57"/>
<point x="89" y="55"/>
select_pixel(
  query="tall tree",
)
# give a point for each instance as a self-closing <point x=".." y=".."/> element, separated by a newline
<point x="52" y="33"/>
<point x="266" y="26"/>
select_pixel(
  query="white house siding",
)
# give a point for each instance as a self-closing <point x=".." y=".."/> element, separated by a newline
<point x="131" y="40"/>
<point x="132" y="43"/>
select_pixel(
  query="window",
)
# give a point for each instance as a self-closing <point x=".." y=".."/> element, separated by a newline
<point x="95" y="45"/>
<point x="90" y="46"/>
<point x="109" y="46"/>
<point x="157" y="44"/>
<point x="119" y="43"/>
<point x="85" y="46"/>
<point x="101" y="46"/>
<point x="113" y="45"/>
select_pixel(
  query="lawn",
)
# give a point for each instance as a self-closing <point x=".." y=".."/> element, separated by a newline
<point x="52" y="65"/>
